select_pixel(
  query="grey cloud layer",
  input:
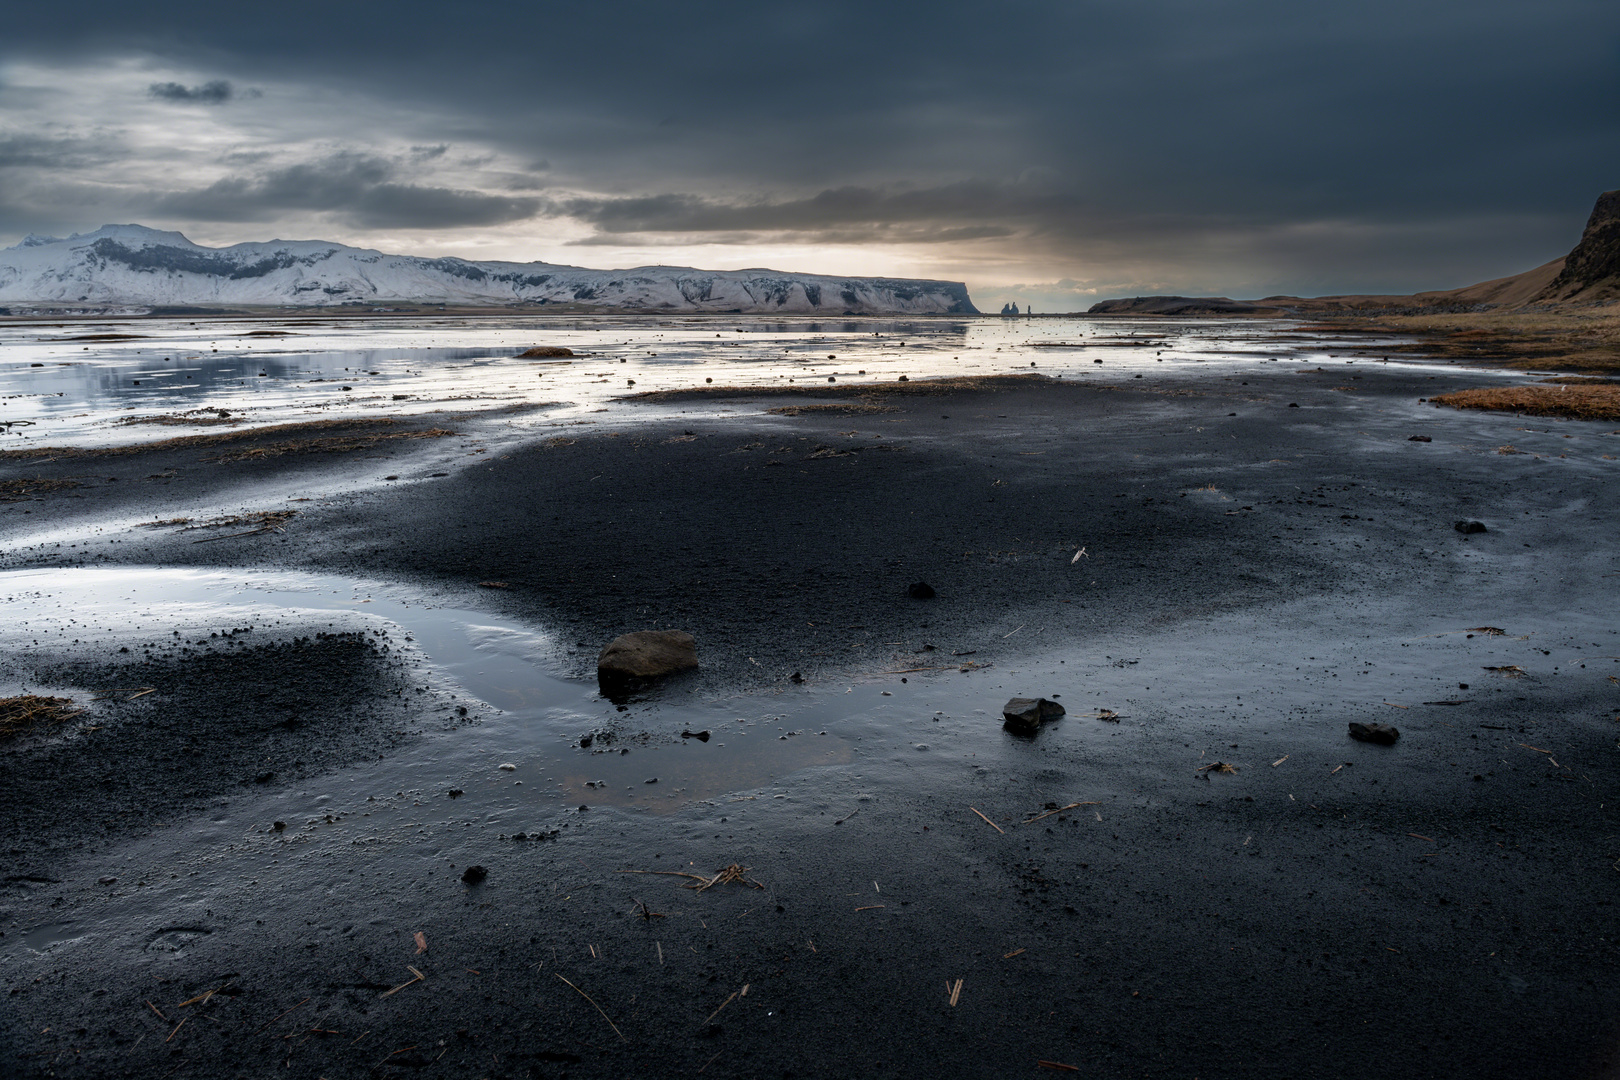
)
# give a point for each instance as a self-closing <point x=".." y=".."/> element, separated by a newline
<point x="359" y="189"/>
<point x="1154" y="134"/>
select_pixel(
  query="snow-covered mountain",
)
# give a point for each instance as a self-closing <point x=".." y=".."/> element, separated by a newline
<point x="133" y="265"/>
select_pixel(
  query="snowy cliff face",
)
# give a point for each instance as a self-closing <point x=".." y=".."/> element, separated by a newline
<point x="131" y="264"/>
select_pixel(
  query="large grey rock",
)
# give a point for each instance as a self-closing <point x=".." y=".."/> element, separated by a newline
<point x="1024" y="715"/>
<point x="646" y="654"/>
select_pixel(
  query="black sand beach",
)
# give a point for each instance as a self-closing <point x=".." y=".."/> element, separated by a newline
<point x="1266" y="559"/>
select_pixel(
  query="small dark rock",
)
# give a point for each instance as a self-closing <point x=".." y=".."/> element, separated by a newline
<point x="107" y="881"/>
<point x="796" y="677"/>
<point x="1382" y="734"/>
<point x="474" y="874"/>
<point x="264" y="778"/>
<point x="1466" y="527"/>
<point x="584" y="740"/>
<point x="1418" y="438"/>
<point x="1293" y="404"/>
<point x="278" y="826"/>
<point x="654" y="780"/>
<point x="701" y="736"/>
<point x="920" y="590"/>
<point x="456" y="793"/>
<point x="1025" y="715"/>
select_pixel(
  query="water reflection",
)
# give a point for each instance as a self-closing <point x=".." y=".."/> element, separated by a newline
<point x="58" y="387"/>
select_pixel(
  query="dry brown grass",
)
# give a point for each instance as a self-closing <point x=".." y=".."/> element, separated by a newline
<point x="1588" y="401"/>
<point x="188" y="442"/>
<point x="1581" y="339"/>
<point x="19" y="714"/>
<point x="24" y="490"/>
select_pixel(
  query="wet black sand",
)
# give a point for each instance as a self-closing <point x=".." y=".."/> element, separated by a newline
<point x="1278" y="921"/>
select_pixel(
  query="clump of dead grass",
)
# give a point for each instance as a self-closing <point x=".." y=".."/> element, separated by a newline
<point x="26" y="711"/>
<point x="259" y="520"/>
<point x="329" y="445"/>
<point x="26" y="490"/>
<point x="191" y="417"/>
<point x="1575" y="401"/>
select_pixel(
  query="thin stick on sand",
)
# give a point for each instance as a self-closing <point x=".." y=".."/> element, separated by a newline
<point x="418" y="978"/>
<point x="1059" y="810"/>
<point x="202" y="998"/>
<point x="278" y="1017"/>
<point x="723" y="1004"/>
<point x="598" y="1008"/>
<point x="665" y="873"/>
<point x="988" y="822"/>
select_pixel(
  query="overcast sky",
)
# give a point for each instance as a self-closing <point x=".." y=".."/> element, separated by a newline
<point x="1053" y="153"/>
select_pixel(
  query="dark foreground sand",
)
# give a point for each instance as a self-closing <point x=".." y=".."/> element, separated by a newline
<point x="1256" y="576"/>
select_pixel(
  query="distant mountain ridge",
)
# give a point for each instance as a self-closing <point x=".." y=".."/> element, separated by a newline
<point x="1589" y="274"/>
<point x="135" y="265"/>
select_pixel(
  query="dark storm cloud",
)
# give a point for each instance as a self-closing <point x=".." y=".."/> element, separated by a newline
<point x="217" y="92"/>
<point x="1139" y="121"/>
<point x="358" y="189"/>
<point x="957" y="212"/>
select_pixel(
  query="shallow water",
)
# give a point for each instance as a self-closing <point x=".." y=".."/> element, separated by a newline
<point x="472" y="654"/>
<point x="56" y="388"/>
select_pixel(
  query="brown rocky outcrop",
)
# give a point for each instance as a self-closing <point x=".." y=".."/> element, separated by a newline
<point x="1591" y="272"/>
